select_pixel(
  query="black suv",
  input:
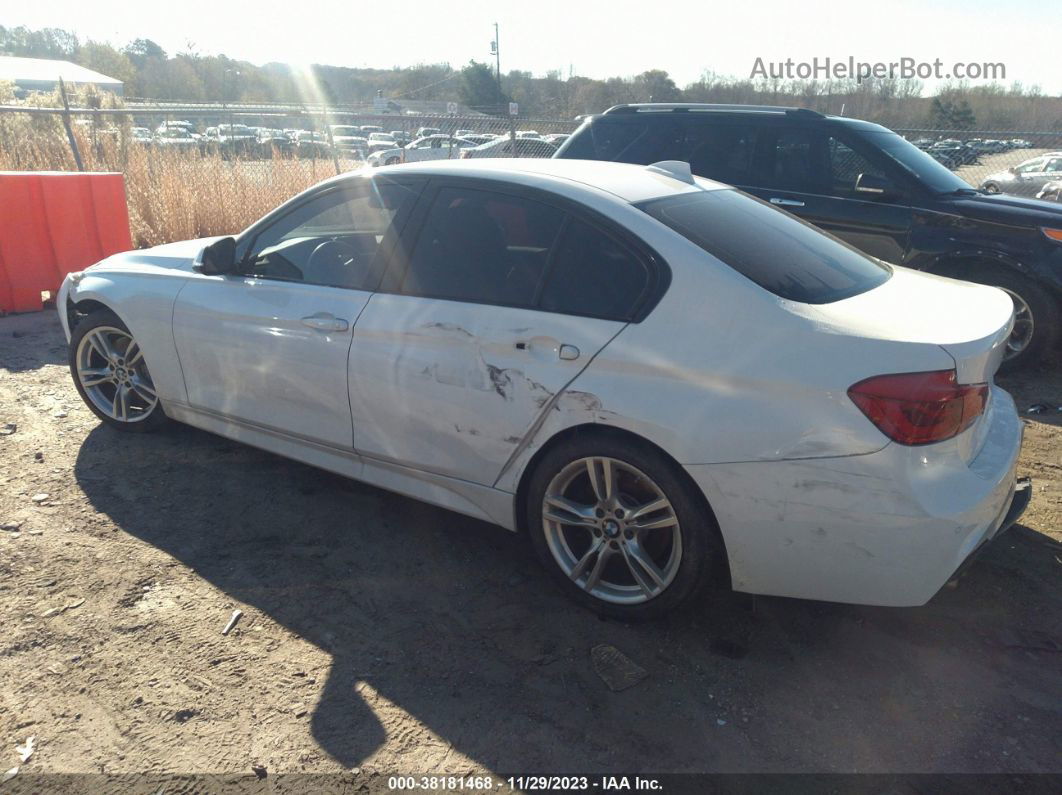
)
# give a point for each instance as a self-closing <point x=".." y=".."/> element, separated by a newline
<point x="863" y="183"/>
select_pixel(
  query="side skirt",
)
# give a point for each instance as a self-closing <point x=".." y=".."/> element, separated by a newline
<point x="471" y="499"/>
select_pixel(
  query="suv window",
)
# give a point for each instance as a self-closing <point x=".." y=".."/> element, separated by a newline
<point x="714" y="149"/>
<point x="482" y="246"/>
<point x="779" y="252"/>
<point x="794" y="163"/>
<point x="846" y="166"/>
<point x="332" y="239"/>
<point x="592" y="274"/>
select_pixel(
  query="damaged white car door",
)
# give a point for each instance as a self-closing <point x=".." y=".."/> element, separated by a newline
<point x="268" y="346"/>
<point x="497" y="302"/>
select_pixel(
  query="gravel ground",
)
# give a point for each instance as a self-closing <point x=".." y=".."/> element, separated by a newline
<point x="387" y="635"/>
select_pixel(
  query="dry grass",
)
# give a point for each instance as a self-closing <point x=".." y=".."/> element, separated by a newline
<point x="171" y="195"/>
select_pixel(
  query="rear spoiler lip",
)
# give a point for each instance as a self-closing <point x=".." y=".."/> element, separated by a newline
<point x="976" y="364"/>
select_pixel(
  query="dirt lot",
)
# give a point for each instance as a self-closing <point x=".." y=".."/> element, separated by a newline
<point x="383" y="634"/>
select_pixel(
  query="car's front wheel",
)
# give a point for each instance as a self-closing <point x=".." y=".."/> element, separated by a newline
<point x="991" y="187"/>
<point x="111" y="374"/>
<point x="619" y="528"/>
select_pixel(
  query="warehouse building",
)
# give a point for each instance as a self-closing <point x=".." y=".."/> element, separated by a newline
<point x="32" y="75"/>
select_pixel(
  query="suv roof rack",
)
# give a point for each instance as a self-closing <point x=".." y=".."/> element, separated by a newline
<point x="702" y="107"/>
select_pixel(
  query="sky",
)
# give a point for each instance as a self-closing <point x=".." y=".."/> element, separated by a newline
<point x="596" y="39"/>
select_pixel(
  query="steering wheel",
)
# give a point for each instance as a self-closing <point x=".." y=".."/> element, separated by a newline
<point x="333" y="262"/>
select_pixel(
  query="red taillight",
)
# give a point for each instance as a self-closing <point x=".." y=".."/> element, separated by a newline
<point x="920" y="408"/>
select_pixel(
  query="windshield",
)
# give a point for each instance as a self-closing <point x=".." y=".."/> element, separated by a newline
<point x="928" y="170"/>
<point x="779" y="252"/>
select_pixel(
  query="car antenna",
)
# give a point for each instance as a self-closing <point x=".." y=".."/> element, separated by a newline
<point x="676" y="169"/>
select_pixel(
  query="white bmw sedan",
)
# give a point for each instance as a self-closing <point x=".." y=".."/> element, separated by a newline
<point x="664" y="382"/>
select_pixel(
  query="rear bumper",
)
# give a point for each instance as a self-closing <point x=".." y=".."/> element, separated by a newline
<point x="1018" y="504"/>
<point x="886" y="528"/>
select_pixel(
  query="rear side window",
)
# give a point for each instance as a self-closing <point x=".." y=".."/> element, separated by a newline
<point x="482" y="246"/>
<point x="782" y="254"/>
<point x="592" y="274"/>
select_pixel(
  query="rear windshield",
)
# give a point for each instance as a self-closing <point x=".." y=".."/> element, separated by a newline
<point x="779" y="252"/>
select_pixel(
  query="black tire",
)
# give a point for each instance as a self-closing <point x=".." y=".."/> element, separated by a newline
<point x="146" y="422"/>
<point x="702" y="555"/>
<point x="1046" y="315"/>
<point x="991" y="187"/>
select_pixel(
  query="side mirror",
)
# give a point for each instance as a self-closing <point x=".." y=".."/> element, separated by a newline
<point x="873" y="186"/>
<point x="217" y="258"/>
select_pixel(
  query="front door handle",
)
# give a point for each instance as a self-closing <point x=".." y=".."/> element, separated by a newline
<point x="325" y="321"/>
<point x="787" y="202"/>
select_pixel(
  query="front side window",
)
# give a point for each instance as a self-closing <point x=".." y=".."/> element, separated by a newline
<point x="781" y="253"/>
<point x="482" y="246"/>
<point x="333" y="239"/>
<point x="846" y="166"/>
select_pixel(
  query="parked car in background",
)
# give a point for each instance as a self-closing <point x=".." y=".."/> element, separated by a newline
<point x="274" y="143"/>
<point x="866" y="185"/>
<point x="667" y="384"/>
<point x="176" y="138"/>
<point x="1021" y="143"/>
<point x="432" y="147"/>
<point x="424" y="132"/>
<point x="1025" y="179"/>
<point x="507" y="147"/>
<point x="349" y="140"/>
<point x="230" y="140"/>
<point x="187" y="126"/>
<point x="955" y="152"/>
<point x="556" y="138"/>
<point x="463" y="133"/>
<point x="528" y="134"/>
<point x="368" y="129"/>
<point x="380" y="140"/>
<point x="1051" y="192"/>
<point x="477" y="138"/>
<point x="312" y="144"/>
<point x="401" y="137"/>
<point x="141" y="135"/>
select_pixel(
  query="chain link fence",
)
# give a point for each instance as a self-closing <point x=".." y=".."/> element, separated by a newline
<point x="200" y="170"/>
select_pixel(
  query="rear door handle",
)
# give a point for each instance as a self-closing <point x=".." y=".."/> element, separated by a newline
<point x="787" y="202"/>
<point x="325" y="321"/>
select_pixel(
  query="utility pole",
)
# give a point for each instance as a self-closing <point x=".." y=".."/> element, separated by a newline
<point x="496" y="49"/>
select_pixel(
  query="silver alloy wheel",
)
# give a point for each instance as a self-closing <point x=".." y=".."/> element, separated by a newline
<point x="1022" y="333"/>
<point x="112" y="371"/>
<point x="612" y="530"/>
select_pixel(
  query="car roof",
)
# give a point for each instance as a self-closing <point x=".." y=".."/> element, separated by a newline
<point x="645" y="110"/>
<point x="630" y="183"/>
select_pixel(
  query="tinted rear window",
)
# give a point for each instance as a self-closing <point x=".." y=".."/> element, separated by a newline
<point x="783" y="254"/>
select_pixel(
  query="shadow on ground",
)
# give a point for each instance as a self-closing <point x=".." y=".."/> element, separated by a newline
<point x="452" y="620"/>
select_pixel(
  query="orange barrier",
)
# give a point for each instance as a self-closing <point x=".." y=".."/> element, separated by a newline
<point x="52" y="223"/>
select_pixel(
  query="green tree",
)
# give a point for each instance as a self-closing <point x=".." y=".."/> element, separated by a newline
<point x="105" y="59"/>
<point x="478" y="88"/>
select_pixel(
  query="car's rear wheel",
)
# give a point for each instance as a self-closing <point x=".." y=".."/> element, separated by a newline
<point x="619" y="528"/>
<point x="1036" y="317"/>
<point x="111" y="374"/>
<point x="991" y="187"/>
